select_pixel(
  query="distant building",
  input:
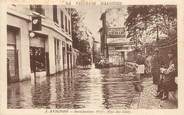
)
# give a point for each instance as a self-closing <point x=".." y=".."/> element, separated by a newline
<point x="87" y="35"/>
<point x="49" y="47"/>
<point x="96" y="51"/>
<point x="114" y="44"/>
<point x="103" y="38"/>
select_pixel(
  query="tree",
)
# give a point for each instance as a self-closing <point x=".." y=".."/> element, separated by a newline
<point x="151" y="21"/>
<point x="84" y="46"/>
<point x="76" y="20"/>
<point x="85" y="53"/>
<point x="79" y="37"/>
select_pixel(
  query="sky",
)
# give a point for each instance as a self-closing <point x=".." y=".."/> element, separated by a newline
<point x="115" y="18"/>
<point x="92" y="16"/>
<point x="92" y="20"/>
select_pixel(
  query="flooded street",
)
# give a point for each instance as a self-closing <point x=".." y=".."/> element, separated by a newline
<point x="50" y="51"/>
<point x="79" y="88"/>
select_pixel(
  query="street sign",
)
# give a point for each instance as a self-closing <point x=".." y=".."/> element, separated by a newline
<point x="115" y="32"/>
<point x="116" y="40"/>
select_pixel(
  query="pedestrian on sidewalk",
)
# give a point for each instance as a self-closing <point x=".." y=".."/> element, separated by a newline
<point x="140" y="68"/>
<point x="156" y="65"/>
<point x="140" y="61"/>
<point x="169" y="76"/>
<point x="148" y="65"/>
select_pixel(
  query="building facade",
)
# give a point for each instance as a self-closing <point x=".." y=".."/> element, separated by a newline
<point x="45" y="51"/>
<point x="114" y="44"/>
<point x="90" y="39"/>
<point x="103" y="38"/>
<point x="96" y="51"/>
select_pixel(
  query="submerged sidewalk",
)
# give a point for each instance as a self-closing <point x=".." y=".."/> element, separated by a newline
<point x="147" y="100"/>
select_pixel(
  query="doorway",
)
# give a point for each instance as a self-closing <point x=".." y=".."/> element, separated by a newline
<point x="12" y="55"/>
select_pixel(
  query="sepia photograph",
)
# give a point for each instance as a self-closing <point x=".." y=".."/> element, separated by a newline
<point x="90" y="58"/>
<point x="113" y="57"/>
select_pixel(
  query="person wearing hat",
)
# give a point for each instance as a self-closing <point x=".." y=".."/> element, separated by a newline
<point x="140" y="61"/>
<point x="148" y="65"/>
<point x="170" y="74"/>
<point x="156" y="63"/>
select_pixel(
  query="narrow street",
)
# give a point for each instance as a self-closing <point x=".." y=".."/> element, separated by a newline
<point x="80" y="88"/>
<point x="105" y="56"/>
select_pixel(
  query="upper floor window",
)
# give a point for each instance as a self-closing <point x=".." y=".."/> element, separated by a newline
<point x="62" y="25"/>
<point x="55" y="13"/>
<point x="66" y="26"/>
<point x="69" y="26"/>
<point x="38" y="9"/>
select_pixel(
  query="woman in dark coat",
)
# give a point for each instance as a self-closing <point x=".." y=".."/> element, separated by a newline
<point x="170" y="73"/>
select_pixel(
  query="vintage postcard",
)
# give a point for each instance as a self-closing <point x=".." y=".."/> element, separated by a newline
<point x="91" y="57"/>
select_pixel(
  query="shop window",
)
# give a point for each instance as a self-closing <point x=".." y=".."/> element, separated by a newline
<point x="69" y="26"/>
<point x="37" y="59"/>
<point x="38" y="9"/>
<point x="63" y="48"/>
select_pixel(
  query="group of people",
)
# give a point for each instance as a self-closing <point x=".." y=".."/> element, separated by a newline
<point x="163" y="73"/>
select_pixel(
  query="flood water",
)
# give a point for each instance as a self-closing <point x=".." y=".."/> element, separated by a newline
<point x="76" y="89"/>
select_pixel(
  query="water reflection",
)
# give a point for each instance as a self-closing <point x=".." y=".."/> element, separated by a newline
<point x="13" y="96"/>
<point x="41" y="94"/>
<point x="89" y="89"/>
<point x="19" y="95"/>
<point x="117" y="93"/>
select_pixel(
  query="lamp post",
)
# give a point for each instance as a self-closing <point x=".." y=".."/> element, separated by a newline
<point x="157" y="34"/>
<point x="157" y="29"/>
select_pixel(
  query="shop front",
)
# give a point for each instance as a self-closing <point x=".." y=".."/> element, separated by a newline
<point x="38" y="56"/>
<point x="117" y="58"/>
